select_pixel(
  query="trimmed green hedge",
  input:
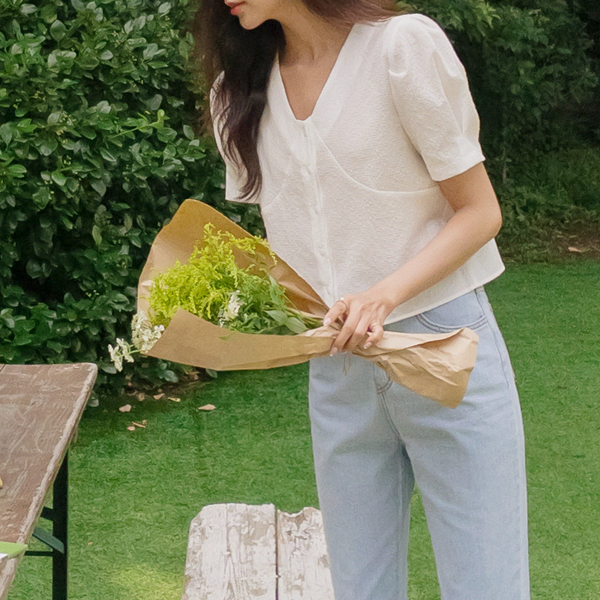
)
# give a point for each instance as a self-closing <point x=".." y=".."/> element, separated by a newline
<point x="98" y="147"/>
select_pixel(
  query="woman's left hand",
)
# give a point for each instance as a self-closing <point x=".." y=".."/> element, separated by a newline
<point x="476" y="220"/>
<point x="362" y="316"/>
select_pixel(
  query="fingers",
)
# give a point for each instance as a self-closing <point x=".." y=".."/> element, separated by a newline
<point x="351" y="334"/>
<point x="354" y="333"/>
<point x="362" y="316"/>
<point x="375" y="335"/>
<point x="337" y="311"/>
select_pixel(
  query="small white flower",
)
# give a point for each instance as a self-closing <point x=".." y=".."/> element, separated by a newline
<point x="232" y="310"/>
<point x="143" y="334"/>
<point x="116" y="357"/>
<point x="234" y="304"/>
<point x="125" y="349"/>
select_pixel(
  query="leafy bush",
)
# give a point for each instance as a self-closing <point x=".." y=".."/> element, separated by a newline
<point x="552" y="202"/>
<point x="565" y="178"/>
<point x="529" y="65"/>
<point x="98" y="148"/>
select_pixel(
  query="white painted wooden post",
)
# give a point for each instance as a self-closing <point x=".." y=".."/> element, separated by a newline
<point x="232" y="554"/>
<point x="241" y="552"/>
<point x="302" y="559"/>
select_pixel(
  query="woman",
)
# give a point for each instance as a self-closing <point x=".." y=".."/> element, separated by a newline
<point x="357" y="134"/>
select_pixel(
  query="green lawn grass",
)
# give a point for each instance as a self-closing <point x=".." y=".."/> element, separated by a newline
<point x="133" y="494"/>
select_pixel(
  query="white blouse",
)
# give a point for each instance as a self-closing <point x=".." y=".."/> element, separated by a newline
<point x="349" y="194"/>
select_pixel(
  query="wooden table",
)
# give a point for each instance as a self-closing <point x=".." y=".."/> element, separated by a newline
<point x="40" y="408"/>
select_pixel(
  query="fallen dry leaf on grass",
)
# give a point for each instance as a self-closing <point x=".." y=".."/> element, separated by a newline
<point x="131" y="428"/>
<point x="158" y="396"/>
<point x="175" y="399"/>
<point x="573" y="249"/>
<point x="207" y="407"/>
<point x="125" y="408"/>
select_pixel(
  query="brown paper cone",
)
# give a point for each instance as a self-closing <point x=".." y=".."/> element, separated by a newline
<point x="434" y="366"/>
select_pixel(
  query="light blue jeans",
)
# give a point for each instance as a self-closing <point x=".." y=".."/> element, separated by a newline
<point x="374" y="439"/>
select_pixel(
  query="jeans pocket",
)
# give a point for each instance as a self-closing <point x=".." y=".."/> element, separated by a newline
<point x="464" y="311"/>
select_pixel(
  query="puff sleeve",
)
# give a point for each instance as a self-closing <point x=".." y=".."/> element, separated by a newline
<point x="431" y="93"/>
<point x="233" y="176"/>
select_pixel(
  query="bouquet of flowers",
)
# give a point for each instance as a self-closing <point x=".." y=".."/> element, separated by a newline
<point x="213" y="296"/>
<point x="211" y="285"/>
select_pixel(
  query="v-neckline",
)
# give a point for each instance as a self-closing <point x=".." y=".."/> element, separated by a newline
<point x="328" y="82"/>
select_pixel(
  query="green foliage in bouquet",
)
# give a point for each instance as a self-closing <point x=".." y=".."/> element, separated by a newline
<point x="212" y="286"/>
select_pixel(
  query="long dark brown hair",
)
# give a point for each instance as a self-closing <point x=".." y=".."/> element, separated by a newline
<point x="242" y="60"/>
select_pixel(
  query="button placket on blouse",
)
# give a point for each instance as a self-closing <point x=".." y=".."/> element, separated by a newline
<point x="316" y="209"/>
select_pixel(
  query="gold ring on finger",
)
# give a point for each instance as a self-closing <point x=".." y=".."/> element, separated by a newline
<point x="343" y="302"/>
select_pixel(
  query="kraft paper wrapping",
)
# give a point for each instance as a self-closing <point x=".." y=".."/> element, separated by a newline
<point x="434" y="366"/>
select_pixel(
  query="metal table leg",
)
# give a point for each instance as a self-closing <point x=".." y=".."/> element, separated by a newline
<point x="57" y="540"/>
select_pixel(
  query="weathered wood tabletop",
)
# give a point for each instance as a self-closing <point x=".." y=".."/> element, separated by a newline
<point x="40" y="408"/>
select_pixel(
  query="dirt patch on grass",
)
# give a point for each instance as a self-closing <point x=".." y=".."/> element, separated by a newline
<point x="581" y="238"/>
<point x="546" y="241"/>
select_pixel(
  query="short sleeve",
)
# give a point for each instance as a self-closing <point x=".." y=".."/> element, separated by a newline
<point x="234" y="181"/>
<point x="431" y="93"/>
